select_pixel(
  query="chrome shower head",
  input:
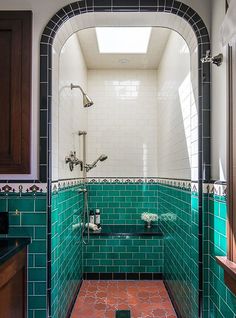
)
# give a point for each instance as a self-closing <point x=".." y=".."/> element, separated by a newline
<point x="87" y="101"/>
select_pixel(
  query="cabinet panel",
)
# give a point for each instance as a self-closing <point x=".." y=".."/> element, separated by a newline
<point x="13" y="287"/>
<point x="15" y="91"/>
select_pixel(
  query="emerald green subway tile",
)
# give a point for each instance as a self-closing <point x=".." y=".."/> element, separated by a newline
<point x="31" y="260"/>
<point x="21" y="204"/>
<point x="41" y="204"/>
<point x="14" y="219"/>
<point x="40" y="313"/>
<point x="133" y="249"/>
<point x="31" y="288"/>
<point x="92" y="262"/>
<point x="113" y="255"/>
<point x="112" y="269"/>
<point x="33" y="219"/>
<point x="37" y="246"/>
<point x="37" y="302"/>
<point x="106" y="262"/>
<point x="21" y="231"/>
<point x="119" y="262"/>
<point x="37" y="274"/>
<point x="3" y="204"/>
<point x="118" y="249"/>
<point x="100" y="255"/>
<point x="100" y="242"/>
<point x="139" y="256"/>
<point x="40" y="260"/>
<point x="146" y="262"/>
<point x="40" y="288"/>
<point x="88" y="255"/>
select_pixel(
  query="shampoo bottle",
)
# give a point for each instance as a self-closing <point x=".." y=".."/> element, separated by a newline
<point x="98" y="218"/>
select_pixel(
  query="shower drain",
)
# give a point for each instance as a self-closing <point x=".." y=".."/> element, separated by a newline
<point x="123" y="314"/>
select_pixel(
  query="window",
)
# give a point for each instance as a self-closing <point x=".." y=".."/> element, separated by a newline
<point x="118" y="40"/>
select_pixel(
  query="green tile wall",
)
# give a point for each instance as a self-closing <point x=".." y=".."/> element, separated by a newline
<point x="66" y="269"/>
<point x="179" y="224"/>
<point x="219" y="301"/>
<point x="128" y="254"/>
<point x="31" y="222"/>
<point x="123" y="203"/>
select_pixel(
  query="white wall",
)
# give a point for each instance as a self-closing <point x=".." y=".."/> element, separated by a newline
<point x="123" y="122"/>
<point x="42" y="12"/>
<point x="219" y="104"/>
<point x="174" y="110"/>
<point x="69" y="115"/>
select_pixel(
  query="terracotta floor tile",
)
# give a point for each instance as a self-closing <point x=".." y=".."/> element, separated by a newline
<point x="145" y="299"/>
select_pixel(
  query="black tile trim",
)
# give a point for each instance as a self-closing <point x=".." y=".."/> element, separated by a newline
<point x="178" y="8"/>
<point x="122" y="230"/>
<point x="172" y="300"/>
<point x="68" y="315"/>
<point x="123" y="276"/>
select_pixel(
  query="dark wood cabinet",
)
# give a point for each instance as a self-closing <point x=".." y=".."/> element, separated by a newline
<point x="15" y="91"/>
<point x="13" y="286"/>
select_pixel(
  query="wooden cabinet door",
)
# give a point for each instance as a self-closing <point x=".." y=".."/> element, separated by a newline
<point x="15" y="91"/>
<point x="13" y="287"/>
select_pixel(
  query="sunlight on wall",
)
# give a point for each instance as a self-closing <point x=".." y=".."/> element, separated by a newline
<point x="126" y="90"/>
<point x="145" y="163"/>
<point x="222" y="170"/>
<point x="185" y="102"/>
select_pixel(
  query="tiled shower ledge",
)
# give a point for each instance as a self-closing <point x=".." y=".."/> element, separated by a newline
<point x="127" y="230"/>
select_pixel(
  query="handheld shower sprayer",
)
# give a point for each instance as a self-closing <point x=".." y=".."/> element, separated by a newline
<point x="92" y="165"/>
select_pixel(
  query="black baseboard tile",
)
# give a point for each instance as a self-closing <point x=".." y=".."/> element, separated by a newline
<point x="178" y="314"/>
<point x="133" y="276"/>
<point x="106" y="276"/>
<point x="119" y="276"/>
<point x="68" y="315"/>
<point x="146" y="276"/>
<point x="122" y="276"/>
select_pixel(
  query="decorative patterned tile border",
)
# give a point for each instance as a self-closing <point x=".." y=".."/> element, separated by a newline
<point x="217" y="188"/>
<point x="63" y="184"/>
<point x="23" y="188"/>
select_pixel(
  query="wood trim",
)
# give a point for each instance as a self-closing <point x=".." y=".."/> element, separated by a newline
<point x="230" y="150"/>
<point x="17" y="159"/>
<point x="229" y="263"/>
<point x="229" y="272"/>
<point x="13" y="286"/>
<point x="231" y="183"/>
<point x="12" y="266"/>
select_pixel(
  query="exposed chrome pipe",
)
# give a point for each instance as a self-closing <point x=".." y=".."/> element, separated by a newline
<point x="84" y="190"/>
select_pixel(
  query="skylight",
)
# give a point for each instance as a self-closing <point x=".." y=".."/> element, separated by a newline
<point x="123" y="39"/>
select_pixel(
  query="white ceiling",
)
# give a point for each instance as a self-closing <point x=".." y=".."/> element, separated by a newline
<point x="150" y="60"/>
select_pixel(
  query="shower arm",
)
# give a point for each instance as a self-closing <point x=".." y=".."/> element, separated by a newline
<point x="72" y="86"/>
